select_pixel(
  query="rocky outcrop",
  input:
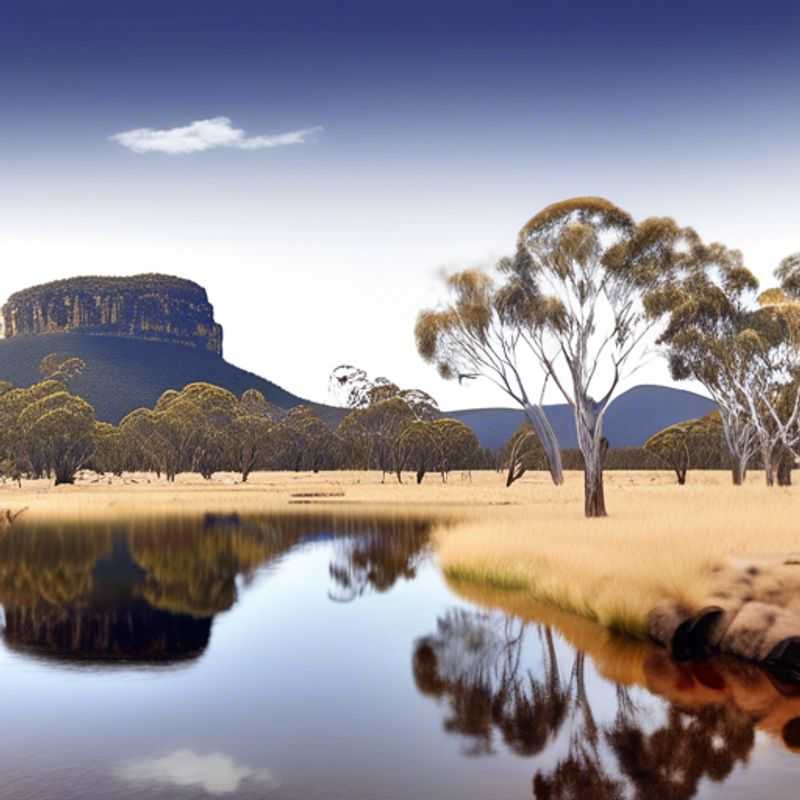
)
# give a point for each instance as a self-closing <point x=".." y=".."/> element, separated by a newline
<point x="154" y="307"/>
<point x="752" y="610"/>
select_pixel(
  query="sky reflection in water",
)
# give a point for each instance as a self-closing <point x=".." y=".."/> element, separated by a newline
<point x="308" y="657"/>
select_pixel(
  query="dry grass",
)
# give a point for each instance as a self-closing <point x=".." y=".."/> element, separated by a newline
<point x="659" y="542"/>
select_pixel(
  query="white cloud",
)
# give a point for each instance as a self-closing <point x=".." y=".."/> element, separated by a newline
<point x="205" y="134"/>
<point x="216" y="773"/>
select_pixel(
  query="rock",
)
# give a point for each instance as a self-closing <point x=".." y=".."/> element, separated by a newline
<point x="752" y="611"/>
<point x="154" y="307"/>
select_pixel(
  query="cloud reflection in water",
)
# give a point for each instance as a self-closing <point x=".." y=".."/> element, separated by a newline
<point x="216" y="773"/>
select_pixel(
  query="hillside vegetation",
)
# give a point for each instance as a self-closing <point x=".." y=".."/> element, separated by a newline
<point x="124" y="373"/>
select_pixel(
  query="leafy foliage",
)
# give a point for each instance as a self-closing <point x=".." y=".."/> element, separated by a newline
<point x="578" y="302"/>
<point x="46" y="430"/>
<point x="61" y="367"/>
<point x="746" y="353"/>
<point x="692" y="444"/>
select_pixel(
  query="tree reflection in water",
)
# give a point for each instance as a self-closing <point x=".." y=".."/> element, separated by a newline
<point x="148" y="591"/>
<point x="474" y="661"/>
<point x="377" y="559"/>
<point x="492" y="683"/>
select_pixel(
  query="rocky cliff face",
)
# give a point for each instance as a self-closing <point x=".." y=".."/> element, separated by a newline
<point x="155" y="307"/>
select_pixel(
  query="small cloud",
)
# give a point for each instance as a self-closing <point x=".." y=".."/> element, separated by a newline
<point x="206" y="134"/>
<point x="215" y="773"/>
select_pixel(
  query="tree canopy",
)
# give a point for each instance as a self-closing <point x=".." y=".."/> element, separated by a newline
<point x="577" y="306"/>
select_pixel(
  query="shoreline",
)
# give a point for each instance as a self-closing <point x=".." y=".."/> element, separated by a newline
<point x="659" y="546"/>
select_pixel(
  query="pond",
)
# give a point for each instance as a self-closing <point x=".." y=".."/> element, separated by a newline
<point x="309" y="657"/>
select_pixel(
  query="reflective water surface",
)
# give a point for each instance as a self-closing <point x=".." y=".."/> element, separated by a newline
<point x="311" y="657"/>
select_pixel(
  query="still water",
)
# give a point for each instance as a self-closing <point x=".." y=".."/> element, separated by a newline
<point x="305" y="657"/>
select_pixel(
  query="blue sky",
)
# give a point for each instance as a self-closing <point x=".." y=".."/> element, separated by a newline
<point x="442" y="128"/>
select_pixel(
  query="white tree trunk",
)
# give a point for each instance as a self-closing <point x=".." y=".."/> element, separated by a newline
<point x="740" y="439"/>
<point x="547" y="438"/>
<point x="768" y="458"/>
<point x="589" y="427"/>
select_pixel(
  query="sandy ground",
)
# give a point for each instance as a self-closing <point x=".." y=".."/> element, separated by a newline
<point x="660" y="541"/>
<point x="353" y="492"/>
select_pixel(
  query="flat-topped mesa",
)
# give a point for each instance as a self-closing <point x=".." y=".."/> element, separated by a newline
<point x="155" y="307"/>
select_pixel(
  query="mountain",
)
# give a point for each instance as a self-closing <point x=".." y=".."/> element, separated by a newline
<point x="139" y="335"/>
<point x="631" y="419"/>
<point x="152" y="307"/>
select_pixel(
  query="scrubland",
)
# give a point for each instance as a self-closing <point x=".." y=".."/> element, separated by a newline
<point x="659" y="543"/>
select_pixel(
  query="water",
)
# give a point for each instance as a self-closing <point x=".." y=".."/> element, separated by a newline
<point x="314" y="658"/>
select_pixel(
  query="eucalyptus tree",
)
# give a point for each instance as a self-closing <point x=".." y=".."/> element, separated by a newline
<point x="415" y="449"/>
<point x="202" y="427"/>
<point x="213" y="411"/>
<point x="470" y="337"/>
<point x="59" y="428"/>
<point x="61" y="367"/>
<point x="685" y="445"/>
<point x="381" y="410"/>
<point x="715" y="336"/>
<point x="141" y="442"/>
<point x="788" y="275"/>
<point x="786" y="463"/>
<point x="21" y="454"/>
<point x="371" y="433"/>
<point x="110" y="453"/>
<point x="455" y="445"/>
<point x="250" y="433"/>
<point x="354" y="445"/>
<point x="176" y="432"/>
<point x="523" y="452"/>
<point x="768" y="381"/>
<point x="358" y="391"/>
<point x="166" y="398"/>
<point x="576" y="305"/>
<point x="305" y="441"/>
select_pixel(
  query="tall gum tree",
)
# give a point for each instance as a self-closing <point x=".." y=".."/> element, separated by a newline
<point x="575" y="304"/>
<point x="706" y="317"/>
<point x="470" y="337"/>
<point x="381" y="410"/>
<point x="769" y="343"/>
<point x="747" y="355"/>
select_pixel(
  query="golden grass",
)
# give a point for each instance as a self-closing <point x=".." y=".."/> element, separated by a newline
<point x="659" y="542"/>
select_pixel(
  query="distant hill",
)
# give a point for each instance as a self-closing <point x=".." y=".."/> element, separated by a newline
<point x="125" y="373"/>
<point x="632" y="418"/>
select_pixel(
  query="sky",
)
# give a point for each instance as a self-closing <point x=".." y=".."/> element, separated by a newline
<point x="316" y="165"/>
